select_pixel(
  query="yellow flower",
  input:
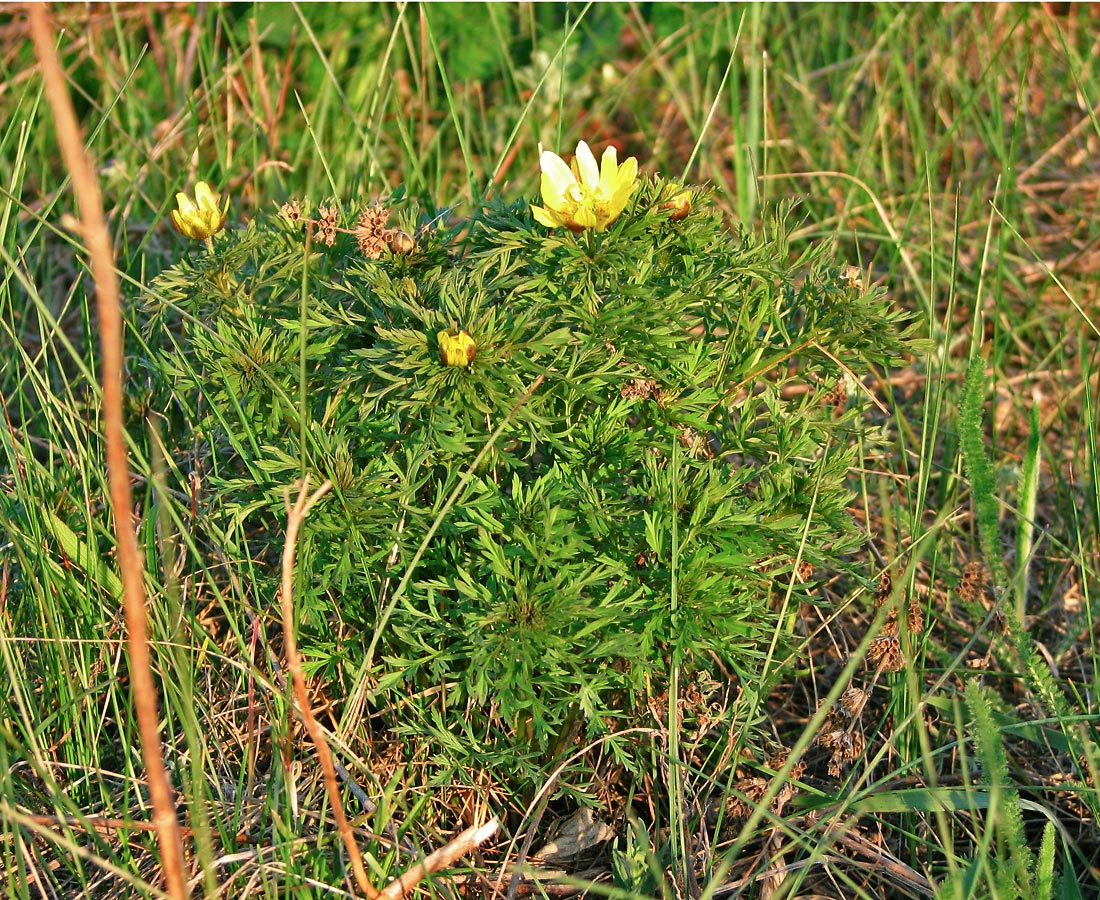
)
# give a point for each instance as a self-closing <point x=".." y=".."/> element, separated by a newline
<point x="202" y="217"/>
<point x="586" y="195"/>
<point x="457" y="347"/>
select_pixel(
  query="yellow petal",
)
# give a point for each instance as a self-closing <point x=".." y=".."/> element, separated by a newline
<point x="556" y="178"/>
<point x="624" y="183"/>
<point x="583" y="217"/>
<point x="188" y="226"/>
<point x="205" y="198"/>
<point x="629" y="169"/>
<point x="546" y="217"/>
<point x="586" y="165"/>
<point x="609" y="169"/>
<point x="186" y="205"/>
<point x="554" y="194"/>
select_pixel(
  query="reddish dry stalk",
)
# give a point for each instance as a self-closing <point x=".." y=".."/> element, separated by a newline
<point x="402" y="886"/>
<point x="98" y="242"/>
<point x="294" y="662"/>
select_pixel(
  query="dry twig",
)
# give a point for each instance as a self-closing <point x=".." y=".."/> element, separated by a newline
<point x="296" y="515"/>
<point x="441" y="858"/>
<point x="98" y="241"/>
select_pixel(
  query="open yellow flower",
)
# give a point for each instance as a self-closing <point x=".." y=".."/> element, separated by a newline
<point x="586" y="195"/>
<point x="202" y="217"/>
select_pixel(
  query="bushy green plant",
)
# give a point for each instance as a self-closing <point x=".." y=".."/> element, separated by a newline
<point x="656" y="412"/>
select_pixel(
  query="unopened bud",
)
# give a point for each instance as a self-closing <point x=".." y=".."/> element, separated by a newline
<point x="402" y="242"/>
<point x="456" y="347"/>
<point x="680" y="206"/>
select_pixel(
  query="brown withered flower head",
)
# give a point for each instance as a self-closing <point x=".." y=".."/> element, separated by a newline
<point x="852" y="702"/>
<point x="841" y="733"/>
<point x="326" y="224"/>
<point x="291" y="210"/>
<point x="370" y="231"/>
<point x="974" y="585"/>
<point x="836" y="398"/>
<point x="846" y="747"/>
<point x="885" y="587"/>
<point x="753" y="788"/>
<point x="641" y="389"/>
<point x="916" y="616"/>
<point x="885" y="651"/>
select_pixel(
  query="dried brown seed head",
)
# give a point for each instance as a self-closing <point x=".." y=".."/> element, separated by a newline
<point x="371" y="244"/>
<point x="974" y="583"/>
<point x="837" y="398"/>
<point x="885" y="650"/>
<point x="847" y="747"/>
<point x="375" y="219"/>
<point x="640" y="389"/>
<point x="803" y="571"/>
<point x="885" y="586"/>
<point x="916" y="616"/>
<point x="852" y="702"/>
<point x="370" y="231"/>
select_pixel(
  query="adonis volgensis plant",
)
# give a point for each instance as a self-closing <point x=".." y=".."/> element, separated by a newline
<point x="635" y="405"/>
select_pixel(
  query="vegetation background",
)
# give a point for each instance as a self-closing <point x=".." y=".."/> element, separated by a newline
<point x="948" y="152"/>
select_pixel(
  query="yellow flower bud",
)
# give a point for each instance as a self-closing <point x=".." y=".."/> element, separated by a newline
<point x="456" y="347"/>
<point x="202" y="217"/>
<point x="680" y="206"/>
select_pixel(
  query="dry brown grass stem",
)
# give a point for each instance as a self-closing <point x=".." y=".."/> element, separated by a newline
<point x="887" y="222"/>
<point x="855" y="378"/>
<point x="295" y="516"/>
<point x="910" y="882"/>
<point x="455" y="849"/>
<point x="441" y="858"/>
<point x="93" y="228"/>
<point x="537" y="807"/>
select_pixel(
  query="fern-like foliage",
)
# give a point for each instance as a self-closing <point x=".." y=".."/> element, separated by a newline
<point x="642" y="508"/>
<point x="979" y="469"/>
